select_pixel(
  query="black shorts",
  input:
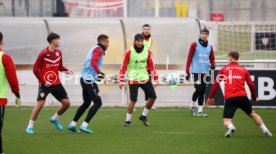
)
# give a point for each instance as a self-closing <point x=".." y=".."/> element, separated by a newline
<point x="147" y="88"/>
<point x="90" y="90"/>
<point x="146" y="94"/>
<point x="232" y="104"/>
<point x="203" y="80"/>
<point x="57" y="91"/>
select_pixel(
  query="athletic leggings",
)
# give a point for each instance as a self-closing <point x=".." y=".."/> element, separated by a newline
<point x="2" y="111"/>
<point x="90" y="93"/>
<point x="200" y="88"/>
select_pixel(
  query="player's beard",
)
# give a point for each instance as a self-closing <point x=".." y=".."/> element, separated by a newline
<point x="138" y="49"/>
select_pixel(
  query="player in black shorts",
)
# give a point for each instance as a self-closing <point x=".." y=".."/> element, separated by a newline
<point x="234" y="77"/>
<point x="46" y="69"/>
<point x="232" y="104"/>
<point x="90" y="74"/>
<point x="57" y="91"/>
<point x="138" y="62"/>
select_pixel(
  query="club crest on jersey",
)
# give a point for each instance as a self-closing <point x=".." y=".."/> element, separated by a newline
<point x="57" y="54"/>
<point x="42" y="94"/>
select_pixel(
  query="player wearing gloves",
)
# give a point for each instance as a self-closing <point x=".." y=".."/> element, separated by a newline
<point x="7" y="73"/>
<point x="200" y="56"/>
<point x="90" y="90"/>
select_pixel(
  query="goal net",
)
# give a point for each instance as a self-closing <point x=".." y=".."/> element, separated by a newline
<point x="254" y="40"/>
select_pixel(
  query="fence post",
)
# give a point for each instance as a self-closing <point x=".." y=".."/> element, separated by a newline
<point x="156" y="8"/>
<point x="28" y="8"/>
<point x="252" y="37"/>
<point x="41" y="7"/>
<point x="13" y="8"/>
<point x="264" y="10"/>
<point x="210" y="9"/>
<point x="125" y="8"/>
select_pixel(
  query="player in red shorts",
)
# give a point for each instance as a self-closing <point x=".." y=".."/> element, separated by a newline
<point x="46" y="69"/>
<point x="234" y="77"/>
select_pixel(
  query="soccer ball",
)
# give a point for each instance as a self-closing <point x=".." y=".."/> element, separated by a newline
<point x="172" y="78"/>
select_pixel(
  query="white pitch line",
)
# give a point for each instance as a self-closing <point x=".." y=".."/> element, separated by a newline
<point x="183" y="133"/>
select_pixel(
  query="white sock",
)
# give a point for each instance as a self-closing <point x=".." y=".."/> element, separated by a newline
<point x="192" y="104"/>
<point x="128" y="117"/>
<point x="74" y="123"/>
<point x="55" y="117"/>
<point x="263" y="127"/>
<point x="31" y="124"/>
<point x="231" y="126"/>
<point x="200" y="109"/>
<point x="84" y="124"/>
<point x="145" y="112"/>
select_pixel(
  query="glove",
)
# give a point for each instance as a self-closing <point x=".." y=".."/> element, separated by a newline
<point x="17" y="95"/>
<point x="188" y="76"/>
<point x="101" y="76"/>
<point x="213" y="67"/>
<point x="17" y="100"/>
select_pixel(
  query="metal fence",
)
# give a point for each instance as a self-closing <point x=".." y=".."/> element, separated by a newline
<point x="237" y="10"/>
<point x="27" y="8"/>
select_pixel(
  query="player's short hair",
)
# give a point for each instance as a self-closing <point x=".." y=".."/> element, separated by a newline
<point x="234" y="54"/>
<point x="146" y="25"/>
<point x="52" y="36"/>
<point x="204" y="30"/>
<point x="102" y="37"/>
<point x="1" y="36"/>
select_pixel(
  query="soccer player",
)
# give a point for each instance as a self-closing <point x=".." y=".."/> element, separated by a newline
<point x="146" y="32"/>
<point x="137" y="62"/>
<point x="200" y="56"/>
<point x="90" y="91"/>
<point x="234" y="77"/>
<point x="146" y="29"/>
<point x="7" y="73"/>
<point x="46" y="69"/>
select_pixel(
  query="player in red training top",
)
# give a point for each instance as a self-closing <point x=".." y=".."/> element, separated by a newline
<point x="234" y="77"/>
<point x="46" y="69"/>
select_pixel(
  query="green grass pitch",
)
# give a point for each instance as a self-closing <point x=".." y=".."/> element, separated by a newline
<point x="172" y="131"/>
